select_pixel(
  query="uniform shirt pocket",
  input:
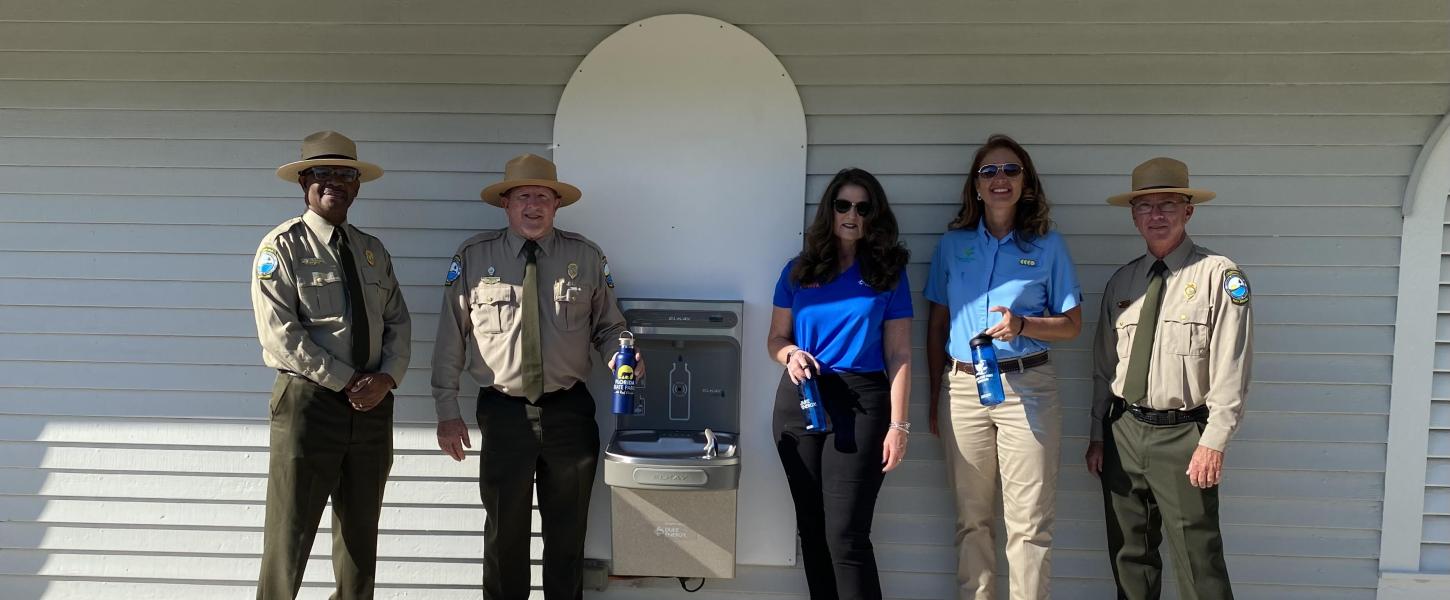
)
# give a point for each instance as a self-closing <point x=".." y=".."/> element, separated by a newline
<point x="322" y="294"/>
<point x="571" y="304"/>
<point x="1126" y="324"/>
<point x="1184" y="330"/>
<point x="375" y="289"/>
<point x="495" y="306"/>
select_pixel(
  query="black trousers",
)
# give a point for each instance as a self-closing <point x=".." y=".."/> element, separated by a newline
<point x="834" y="478"/>
<point x="554" y="442"/>
<point x="322" y="447"/>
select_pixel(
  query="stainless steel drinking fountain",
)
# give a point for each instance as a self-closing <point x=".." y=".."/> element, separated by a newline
<point x="673" y="465"/>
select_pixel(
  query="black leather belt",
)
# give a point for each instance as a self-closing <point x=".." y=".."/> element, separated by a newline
<point x="1011" y="365"/>
<point x="1164" y="418"/>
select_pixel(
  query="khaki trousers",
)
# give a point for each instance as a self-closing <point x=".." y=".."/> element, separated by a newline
<point x="1018" y="440"/>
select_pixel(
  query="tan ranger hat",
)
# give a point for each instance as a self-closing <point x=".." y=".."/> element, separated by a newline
<point x="1161" y="175"/>
<point x="530" y="169"/>
<point x="329" y="148"/>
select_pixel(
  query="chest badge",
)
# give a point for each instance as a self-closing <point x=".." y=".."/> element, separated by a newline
<point x="1124" y="303"/>
<point x="372" y="260"/>
<point x="1190" y="290"/>
<point x="490" y="270"/>
<point x="573" y="270"/>
<point x="1027" y="262"/>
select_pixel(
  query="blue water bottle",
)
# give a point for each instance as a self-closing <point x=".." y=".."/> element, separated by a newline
<point x="989" y="375"/>
<point x="624" y="364"/>
<point x="812" y="408"/>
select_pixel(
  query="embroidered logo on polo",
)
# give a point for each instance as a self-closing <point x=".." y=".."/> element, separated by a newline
<point x="455" y="270"/>
<point x="1236" y="286"/>
<point x="267" y="262"/>
<point x="1027" y="262"/>
<point x="968" y="254"/>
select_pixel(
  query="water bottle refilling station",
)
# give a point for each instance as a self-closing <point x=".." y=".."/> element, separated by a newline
<point x="673" y="464"/>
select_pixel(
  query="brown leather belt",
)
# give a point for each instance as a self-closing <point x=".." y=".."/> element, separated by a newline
<point x="1011" y="365"/>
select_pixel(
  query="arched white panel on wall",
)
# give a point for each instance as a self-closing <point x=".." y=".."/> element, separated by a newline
<point x="688" y="139"/>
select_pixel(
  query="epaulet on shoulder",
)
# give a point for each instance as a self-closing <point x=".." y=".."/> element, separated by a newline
<point x="486" y="236"/>
<point x="284" y="227"/>
<point x="579" y="237"/>
<point x="1223" y="262"/>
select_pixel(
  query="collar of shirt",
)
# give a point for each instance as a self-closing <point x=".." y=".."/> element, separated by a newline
<point x="1175" y="260"/>
<point x="515" y="242"/>
<point x="984" y="235"/>
<point x="321" y="228"/>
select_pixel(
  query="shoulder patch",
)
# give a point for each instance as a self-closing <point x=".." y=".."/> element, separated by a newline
<point x="604" y="267"/>
<point x="267" y="262"/>
<point x="1236" y="286"/>
<point x="455" y="270"/>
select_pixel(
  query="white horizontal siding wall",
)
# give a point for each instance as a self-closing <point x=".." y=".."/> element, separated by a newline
<point x="1435" y="535"/>
<point x="137" y="140"/>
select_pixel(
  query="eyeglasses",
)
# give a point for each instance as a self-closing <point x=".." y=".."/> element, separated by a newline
<point x="1170" y="207"/>
<point x="1008" y="169"/>
<point x="862" y="208"/>
<point x="343" y="174"/>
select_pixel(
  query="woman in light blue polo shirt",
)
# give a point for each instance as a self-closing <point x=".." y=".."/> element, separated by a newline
<point x="1001" y="270"/>
<point x="843" y="310"/>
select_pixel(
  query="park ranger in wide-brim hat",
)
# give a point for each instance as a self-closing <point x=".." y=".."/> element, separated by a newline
<point x="329" y="148"/>
<point x="530" y="169"/>
<point x="1162" y="175"/>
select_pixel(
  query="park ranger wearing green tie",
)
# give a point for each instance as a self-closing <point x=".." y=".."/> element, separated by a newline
<point x="332" y="321"/>
<point x="1171" y="369"/>
<point x="522" y="309"/>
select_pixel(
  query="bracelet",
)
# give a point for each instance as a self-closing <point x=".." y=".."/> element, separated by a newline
<point x="902" y="426"/>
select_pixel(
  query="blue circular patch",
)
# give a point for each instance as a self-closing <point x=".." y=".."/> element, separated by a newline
<point x="455" y="270"/>
<point x="267" y="263"/>
<point x="1236" y="286"/>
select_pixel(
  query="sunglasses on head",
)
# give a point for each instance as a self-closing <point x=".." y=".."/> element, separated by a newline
<point x="343" y="174"/>
<point x="862" y="208"/>
<point x="1007" y="169"/>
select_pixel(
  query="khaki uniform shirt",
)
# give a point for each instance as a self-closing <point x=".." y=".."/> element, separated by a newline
<point x="299" y="297"/>
<point x="480" y="327"/>
<point x="1202" y="348"/>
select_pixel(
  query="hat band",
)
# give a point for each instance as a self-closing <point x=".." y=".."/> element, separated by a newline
<point x="1161" y="187"/>
<point x="322" y="156"/>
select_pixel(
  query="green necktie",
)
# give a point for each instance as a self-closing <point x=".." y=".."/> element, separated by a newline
<point x="1135" y="389"/>
<point x="533" y="366"/>
<point x="361" y="335"/>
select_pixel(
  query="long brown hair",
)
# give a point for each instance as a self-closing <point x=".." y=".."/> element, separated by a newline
<point x="881" y="255"/>
<point x="1032" y="218"/>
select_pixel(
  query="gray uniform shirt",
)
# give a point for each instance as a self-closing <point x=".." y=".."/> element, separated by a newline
<point x="299" y="298"/>
<point x="1202" y="347"/>
<point x="479" y="326"/>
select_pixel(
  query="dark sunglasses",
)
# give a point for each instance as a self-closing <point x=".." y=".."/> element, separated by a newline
<point x="1008" y="169"/>
<point x="862" y="208"/>
<point x="343" y="174"/>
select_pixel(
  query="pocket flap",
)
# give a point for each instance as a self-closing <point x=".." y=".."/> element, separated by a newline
<point x="318" y="278"/>
<point x="1197" y="314"/>
<point x="493" y="294"/>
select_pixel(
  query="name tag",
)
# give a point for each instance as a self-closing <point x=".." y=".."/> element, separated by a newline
<point x="312" y="262"/>
<point x="491" y="280"/>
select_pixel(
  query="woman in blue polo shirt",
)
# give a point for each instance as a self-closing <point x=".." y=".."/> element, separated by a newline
<point x="843" y="311"/>
<point x="1001" y="270"/>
